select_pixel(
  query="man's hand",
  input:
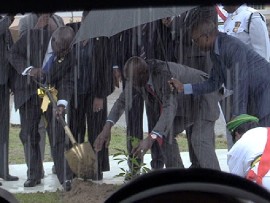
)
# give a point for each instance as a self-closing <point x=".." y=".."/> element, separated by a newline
<point x="37" y="73"/>
<point x="103" y="137"/>
<point x="117" y="78"/>
<point x="174" y="83"/>
<point x="97" y="104"/>
<point x="143" y="147"/>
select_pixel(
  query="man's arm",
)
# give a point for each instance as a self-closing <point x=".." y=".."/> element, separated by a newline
<point x="115" y="113"/>
<point x="17" y="55"/>
<point x="5" y="23"/>
<point x="117" y="109"/>
<point x="259" y="36"/>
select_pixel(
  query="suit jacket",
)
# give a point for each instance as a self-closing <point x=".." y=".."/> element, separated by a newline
<point x="173" y="105"/>
<point x="94" y="66"/>
<point x="24" y="54"/>
<point x="5" y="43"/>
<point x="29" y="21"/>
<point x="242" y="70"/>
<point x="128" y="43"/>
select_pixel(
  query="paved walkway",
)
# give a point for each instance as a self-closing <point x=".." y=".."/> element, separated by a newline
<point x="50" y="182"/>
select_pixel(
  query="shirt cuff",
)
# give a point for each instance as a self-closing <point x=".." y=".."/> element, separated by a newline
<point x="111" y="121"/>
<point x="115" y="67"/>
<point x="159" y="137"/>
<point x="62" y="102"/>
<point x="27" y="71"/>
<point x="156" y="133"/>
<point x="188" y="89"/>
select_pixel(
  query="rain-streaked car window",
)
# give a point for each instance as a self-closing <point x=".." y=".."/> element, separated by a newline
<point x="135" y="104"/>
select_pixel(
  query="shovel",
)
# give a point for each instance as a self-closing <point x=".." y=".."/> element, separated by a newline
<point x="81" y="158"/>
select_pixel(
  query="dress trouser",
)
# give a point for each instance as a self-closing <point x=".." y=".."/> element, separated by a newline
<point x="42" y="142"/>
<point x="83" y="117"/>
<point x="168" y="153"/>
<point x="42" y="133"/>
<point x="59" y="143"/>
<point x="30" y="114"/>
<point x="202" y="144"/>
<point x="226" y="106"/>
<point x="4" y="129"/>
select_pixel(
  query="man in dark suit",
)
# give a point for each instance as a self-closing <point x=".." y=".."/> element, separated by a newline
<point x="187" y="53"/>
<point x="5" y="44"/>
<point x="177" y="111"/>
<point x="40" y="21"/>
<point x="94" y="82"/>
<point x="239" y="67"/>
<point x="51" y="62"/>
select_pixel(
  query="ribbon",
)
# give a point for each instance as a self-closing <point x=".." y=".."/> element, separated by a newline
<point x="45" y="99"/>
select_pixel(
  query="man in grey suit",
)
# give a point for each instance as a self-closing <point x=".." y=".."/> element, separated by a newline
<point x="5" y="43"/>
<point x="238" y="66"/>
<point x="177" y="111"/>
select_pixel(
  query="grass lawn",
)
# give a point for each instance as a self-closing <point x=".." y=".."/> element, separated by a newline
<point x="16" y="156"/>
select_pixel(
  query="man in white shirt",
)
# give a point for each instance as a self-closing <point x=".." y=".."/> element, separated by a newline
<point x="248" y="25"/>
<point x="246" y="155"/>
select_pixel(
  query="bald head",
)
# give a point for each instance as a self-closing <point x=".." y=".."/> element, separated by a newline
<point x="136" y="71"/>
<point x="61" y="40"/>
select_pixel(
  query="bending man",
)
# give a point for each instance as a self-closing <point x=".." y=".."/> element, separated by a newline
<point x="173" y="112"/>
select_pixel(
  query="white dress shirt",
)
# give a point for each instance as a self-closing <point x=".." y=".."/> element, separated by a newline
<point x="236" y="25"/>
<point x="244" y="152"/>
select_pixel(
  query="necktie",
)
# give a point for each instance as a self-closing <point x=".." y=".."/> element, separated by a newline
<point x="142" y="50"/>
<point x="49" y="62"/>
<point x="150" y="90"/>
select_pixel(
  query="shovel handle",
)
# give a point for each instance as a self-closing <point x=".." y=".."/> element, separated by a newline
<point x="69" y="134"/>
<point x="61" y="119"/>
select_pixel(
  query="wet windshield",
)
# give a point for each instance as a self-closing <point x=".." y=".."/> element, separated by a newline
<point x="95" y="100"/>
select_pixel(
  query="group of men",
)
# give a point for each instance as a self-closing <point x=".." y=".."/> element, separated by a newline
<point x="163" y="64"/>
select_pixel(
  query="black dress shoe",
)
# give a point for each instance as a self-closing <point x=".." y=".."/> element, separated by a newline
<point x="31" y="183"/>
<point x="67" y="185"/>
<point x="9" y="178"/>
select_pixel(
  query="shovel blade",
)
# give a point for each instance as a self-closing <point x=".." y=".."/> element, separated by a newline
<point x="82" y="160"/>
